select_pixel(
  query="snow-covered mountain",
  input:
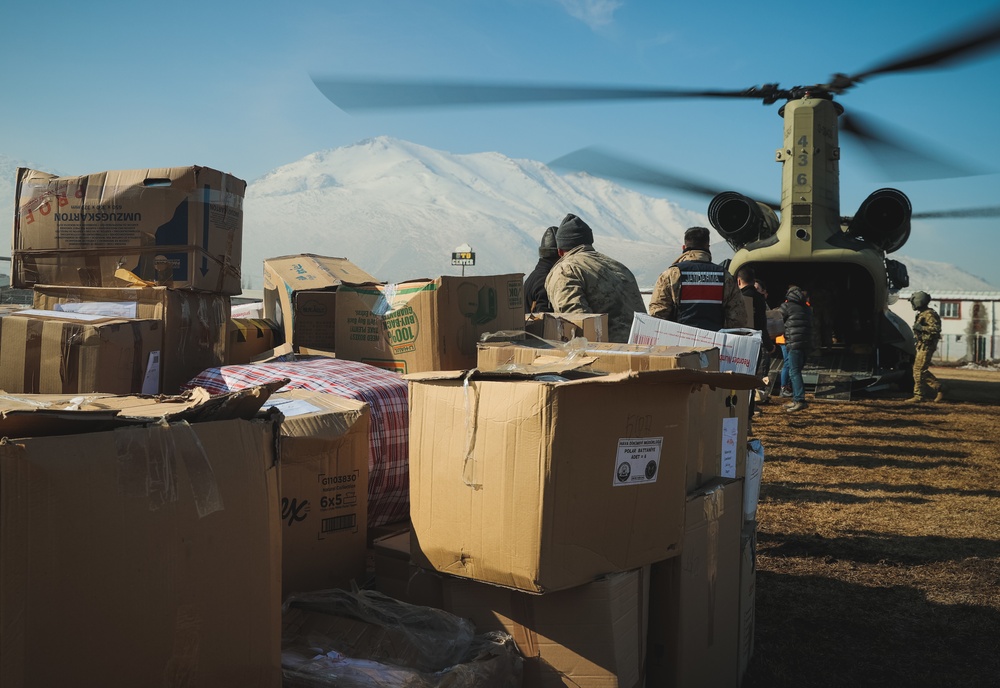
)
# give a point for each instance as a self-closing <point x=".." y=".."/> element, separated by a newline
<point x="398" y="210"/>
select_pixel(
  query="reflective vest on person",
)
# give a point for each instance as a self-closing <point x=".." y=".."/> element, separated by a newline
<point x="700" y="302"/>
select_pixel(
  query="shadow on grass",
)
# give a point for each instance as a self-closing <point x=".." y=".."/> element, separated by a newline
<point x="867" y="461"/>
<point x="863" y="548"/>
<point x="820" y="632"/>
<point x="820" y="495"/>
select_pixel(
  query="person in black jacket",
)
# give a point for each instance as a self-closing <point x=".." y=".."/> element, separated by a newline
<point x="536" y="300"/>
<point x="797" y="316"/>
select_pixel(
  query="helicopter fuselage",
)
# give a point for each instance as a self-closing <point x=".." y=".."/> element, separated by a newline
<point x="808" y="245"/>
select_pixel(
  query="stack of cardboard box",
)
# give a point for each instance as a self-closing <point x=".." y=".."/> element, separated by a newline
<point x="565" y="512"/>
<point x="132" y="273"/>
<point x="140" y="542"/>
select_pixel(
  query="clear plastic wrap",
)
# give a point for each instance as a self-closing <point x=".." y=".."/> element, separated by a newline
<point x="364" y="639"/>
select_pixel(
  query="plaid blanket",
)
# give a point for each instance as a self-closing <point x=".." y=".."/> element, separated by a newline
<point x="385" y="392"/>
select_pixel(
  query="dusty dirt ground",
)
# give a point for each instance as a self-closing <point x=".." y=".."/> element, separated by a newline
<point x="878" y="546"/>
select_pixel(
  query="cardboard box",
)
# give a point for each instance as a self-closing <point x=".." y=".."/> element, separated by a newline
<point x="694" y="599"/>
<point x="324" y="489"/>
<point x="142" y="554"/>
<point x="543" y="486"/>
<point x="194" y="323"/>
<point x="717" y="415"/>
<point x="50" y="352"/>
<point x="426" y="325"/>
<point x="738" y="349"/>
<point x="179" y="227"/>
<point x="247" y="338"/>
<point x="748" y="595"/>
<point x="562" y="327"/>
<point x="397" y="576"/>
<point x="300" y="295"/>
<point x="600" y="357"/>
<point x="588" y="637"/>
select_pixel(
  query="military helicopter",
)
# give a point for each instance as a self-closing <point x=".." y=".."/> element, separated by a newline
<point x="842" y="262"/>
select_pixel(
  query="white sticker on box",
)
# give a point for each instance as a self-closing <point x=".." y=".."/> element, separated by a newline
<point x="637" y="461"/>
<point x="730" y="436"/>
<point x="151" y="381"/>
<point x="114" y="309"/>
<point x="291" y="407"/>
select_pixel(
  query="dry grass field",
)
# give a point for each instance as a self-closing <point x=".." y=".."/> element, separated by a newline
<point x="879" y="541"/>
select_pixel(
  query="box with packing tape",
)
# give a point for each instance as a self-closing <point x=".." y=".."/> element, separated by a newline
<point x="425" y="325"/>
<point x="52" y="352"/>
<point x="178" y="227"/>
<point x="562" y="327"/>
<point x="694" y="599"/>
<point x="194" y="323"/>
<point x="300" y="296"/>
<point x="544" y="483"/>
<point x="717" y="416"/>
<point x="147" y="530"/>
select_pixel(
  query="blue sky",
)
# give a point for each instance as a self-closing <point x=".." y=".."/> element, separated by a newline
<point x="115" y="85"/>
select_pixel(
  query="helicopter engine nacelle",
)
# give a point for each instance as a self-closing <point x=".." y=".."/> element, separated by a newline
<point x="883" y="220"/>
<point x="741" y="220"/>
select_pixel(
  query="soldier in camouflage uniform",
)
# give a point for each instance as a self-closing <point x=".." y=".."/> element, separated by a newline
<point x="585" y="281"/>
<point x="927" y="333"/>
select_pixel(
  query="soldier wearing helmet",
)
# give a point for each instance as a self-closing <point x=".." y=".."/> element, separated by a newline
<point x="926" y="333"/>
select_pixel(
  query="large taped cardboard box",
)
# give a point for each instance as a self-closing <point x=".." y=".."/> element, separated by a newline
<point x="324" y="489"/>
<point x="562" y="327"/>
<point x="141" y="553"/>
<point x="179" y="227"/>
<point x="544" y="485"/>
<point x="425" y="325"/>
<point x="248" y="338"/>
<point x="694" y="599"/>
<point x="300" y="295"/>
<point x="51" y="352"/>
<point x="194" y="323"/>
<point x="718" y="415"/>
<point x="590" y="636"/>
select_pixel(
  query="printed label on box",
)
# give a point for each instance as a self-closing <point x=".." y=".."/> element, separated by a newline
<point x="637" y="460"/>
<point x="730" y="437"/>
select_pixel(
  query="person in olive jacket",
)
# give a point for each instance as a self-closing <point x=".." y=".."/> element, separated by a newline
<point x="797" y="317"/>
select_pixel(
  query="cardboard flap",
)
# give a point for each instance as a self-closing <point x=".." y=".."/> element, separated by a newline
<point x="33" y="415"/>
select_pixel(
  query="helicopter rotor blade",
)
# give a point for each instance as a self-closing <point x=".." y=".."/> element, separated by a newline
<point x="983" y="35"/>
<point x="901" y="161"/>
<point x="599" y="163"/>
<point x="375" y="94"/>
<point x="988" y="211"/>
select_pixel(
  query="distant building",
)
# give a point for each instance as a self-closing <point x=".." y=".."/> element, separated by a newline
<point x="970" y="331"/>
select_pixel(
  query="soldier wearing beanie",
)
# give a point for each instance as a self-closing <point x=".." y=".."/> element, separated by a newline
<point x="536" y="300"/>
<point x="585" y="281"/>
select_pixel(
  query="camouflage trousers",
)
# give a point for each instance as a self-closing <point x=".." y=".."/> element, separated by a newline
<point x="922" y="377"/>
